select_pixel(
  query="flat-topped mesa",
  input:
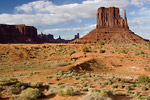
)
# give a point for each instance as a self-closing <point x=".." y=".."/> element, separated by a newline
<point x="110" y="18"/>
<point x="17" y="34"/>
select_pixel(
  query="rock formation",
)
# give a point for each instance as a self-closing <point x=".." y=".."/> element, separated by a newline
<point x="111" y="28"/>
<point x="77" y="36"/>
<point x="17" y="34"/>
<point x="50" y="38"/>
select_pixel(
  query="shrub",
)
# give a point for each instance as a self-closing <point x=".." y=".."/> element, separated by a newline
<point x="67" y="91"/>
<point x="43" y="46"/>
<point x="114" y="86"/>
<point x="144" y="88"/>
<point x="85" y="49"/>
<point x="56" y="78"/>
<point x="142" y="52"/>
<point x="107" y="82"/>
<point x="102" y="43"/>
<point x="21" y="55"/>
<point x="60" y="72"/>
<point x="124" y="51"/>
<point x="8" y="81"/>
<point x="127" y="89"/>
<point x="12" y="90"/>
<point x="143" y="79"/>
<point x="14" y="98"/>
<point x="102" y="51"/>
<point x="121" y="86"/>
<point x="39" y="84"/>
<point x="53" y="90"/>
<point x="96" y="95"/>
<point x="72" y="52"/>
<point x="136" y="94"/>
<point x="30" y="94"/>
<point x="113" y="64"/>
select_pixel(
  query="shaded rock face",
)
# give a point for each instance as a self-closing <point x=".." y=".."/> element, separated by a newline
<point x="50" y="38"/>
<point x="111" y="28"/>
<point x="17" y="34"/>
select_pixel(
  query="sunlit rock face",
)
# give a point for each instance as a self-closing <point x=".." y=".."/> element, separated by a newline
<point x="111" y="28"/>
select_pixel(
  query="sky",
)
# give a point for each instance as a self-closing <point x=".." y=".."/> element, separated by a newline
<point x="69" y="17"/>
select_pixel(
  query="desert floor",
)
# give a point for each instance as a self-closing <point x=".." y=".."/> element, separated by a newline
<point x="85" y="67"/>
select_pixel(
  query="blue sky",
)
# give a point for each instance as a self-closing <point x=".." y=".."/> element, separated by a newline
<point x="68" y="17"/>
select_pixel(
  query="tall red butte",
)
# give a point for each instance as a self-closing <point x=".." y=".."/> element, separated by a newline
<point x="111" y="28"/>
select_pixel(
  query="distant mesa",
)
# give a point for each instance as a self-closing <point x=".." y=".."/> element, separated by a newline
<point x="111" y="28"/>
<point x="27" y="34"/>
<point x="18" y="34"/>
<point x="50" y="38"/>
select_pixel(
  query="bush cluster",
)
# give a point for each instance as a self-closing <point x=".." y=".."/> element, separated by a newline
<point x="143" y="79"/>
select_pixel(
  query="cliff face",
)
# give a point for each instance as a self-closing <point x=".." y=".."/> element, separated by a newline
<point x="111" y="28"/>
<point x="109" y="17"/>
<point x="17" y="34"/>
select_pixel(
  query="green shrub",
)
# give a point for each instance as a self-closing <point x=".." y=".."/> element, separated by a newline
<point x="12" y="90"/>
<point x="124" y="51"/>
<point x="113" y="64"/>
<point x="127" y="89"/>
<point x="142" y="52"/>
<point x="136" y="94"/>
<point x="8" y="81"/>
<point x="114" y="86"/>
<point x="56" y="78"/>
<point x="102" y="43"/>
<point x="144" y="88"/>
<point x="43" y="46"/>
<point x="85" y="49"/>
<point x="143" y="79"/>
<point x="60" y="72"/>
<point x="39" y="84"/>
<point x="30" y="94"/>
<point x="107" y="82"/>
<point x="21" y="55"/>
<point x="67" y="91"/>
<point x="121" y="86"/>
<point x="101" y="51"/>
<point x="72" y="52"/>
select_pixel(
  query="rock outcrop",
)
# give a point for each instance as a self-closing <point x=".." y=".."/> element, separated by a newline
<point x="111" y="28"/>
<point x="50" y="38"/>
<point x="17" y="34"/>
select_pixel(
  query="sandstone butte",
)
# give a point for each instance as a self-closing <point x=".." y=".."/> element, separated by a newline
<point x="17" y="34"/>
<point x="111" y="28"/>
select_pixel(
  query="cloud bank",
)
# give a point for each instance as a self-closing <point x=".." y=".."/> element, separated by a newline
<point x="44" y="12"/>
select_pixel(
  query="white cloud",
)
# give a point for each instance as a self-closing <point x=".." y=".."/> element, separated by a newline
<point x="139" y="3"/>
<point x="132" y="13"/>
<point x="44" y="12"/>
<point x="57" y="30"/>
